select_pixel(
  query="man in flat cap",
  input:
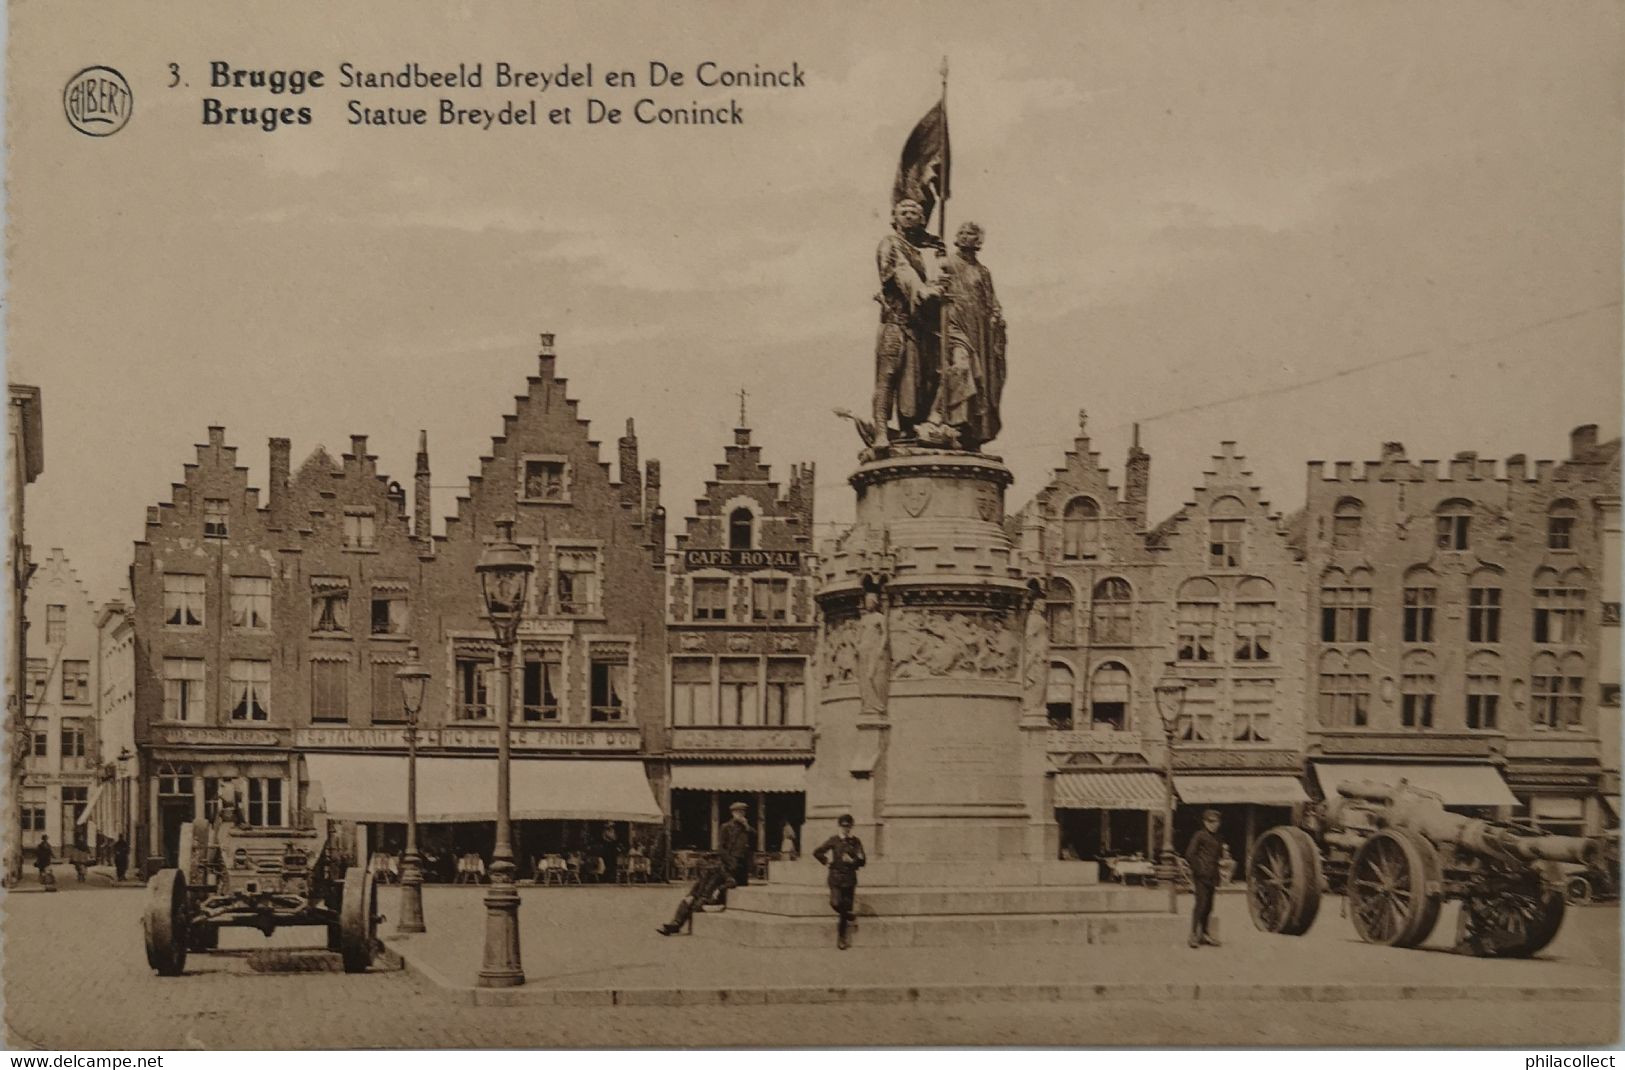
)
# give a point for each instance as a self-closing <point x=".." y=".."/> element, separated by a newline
<point x="1203" y="854"/>
<point x="737" y="845"/>
<point x="843" y="854"/>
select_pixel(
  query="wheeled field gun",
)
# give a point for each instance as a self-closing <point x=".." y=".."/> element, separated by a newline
<point x="233" y="875"/>
<point x="1398" y="854"/>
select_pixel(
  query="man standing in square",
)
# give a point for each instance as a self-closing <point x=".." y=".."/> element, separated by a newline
<point x="843" y="854"/>
<point x="737" y="845"/>
<point x="1203" y="854"/>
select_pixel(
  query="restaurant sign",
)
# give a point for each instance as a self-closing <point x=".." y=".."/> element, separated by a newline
<point x="220" y="737"/>
<point x="783" y="560"/>
<point x="470" y="737"/>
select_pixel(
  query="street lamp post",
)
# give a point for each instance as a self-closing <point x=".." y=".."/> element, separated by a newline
<point x="413" y="679"/>
<point x="126" y="825"/>
<point x="504" y="570"/>
<point x="1170" y="700"/>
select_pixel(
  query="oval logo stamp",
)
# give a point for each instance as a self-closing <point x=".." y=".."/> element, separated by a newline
<point x="98" y="101"/>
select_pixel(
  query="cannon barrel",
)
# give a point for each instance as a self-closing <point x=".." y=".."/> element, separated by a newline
<point x="1422" y="811"/>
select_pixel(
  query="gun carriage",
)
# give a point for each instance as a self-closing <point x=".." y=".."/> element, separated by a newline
<point x="1397" y="855"/>
<point x="237" y="876"/>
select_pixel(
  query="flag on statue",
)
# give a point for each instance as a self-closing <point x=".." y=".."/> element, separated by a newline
<point x="922" y="173"/>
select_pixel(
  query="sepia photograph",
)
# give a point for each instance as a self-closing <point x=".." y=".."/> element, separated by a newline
<point x="840" y="526"/>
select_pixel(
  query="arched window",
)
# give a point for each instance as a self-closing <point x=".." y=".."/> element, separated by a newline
<point x="1255" y="619"/>
<point x="1345" y="691"/>
<point x="1345" y="606"/>
<point x="1112" y="611"/>
<point x="1108" y="697"/>
<point x="1080" y="528"/>
<point x="1484" y="607"/>
<point x="1419" y="690"/>
<point x="1556" y="690"/>
<point x="1483" y="691"/>
<point x="1560" y="523"/>
<point x="1453" y="523"/>
<point x="1421" y="601"/>
<point x="1225" y="527"/>
<point x="1346" y="520"/>
<point x="1198" y="620"/>
<point x="1060" y="697"/>
<point x="1058" y="608"/>
<point x="1560" y="606"/>
<point x="741" y="529"/>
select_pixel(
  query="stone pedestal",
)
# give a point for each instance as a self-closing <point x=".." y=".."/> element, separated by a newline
<point x="923" y="739"/>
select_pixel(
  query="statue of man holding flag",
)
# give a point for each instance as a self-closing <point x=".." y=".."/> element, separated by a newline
<point x="940" y="366"/>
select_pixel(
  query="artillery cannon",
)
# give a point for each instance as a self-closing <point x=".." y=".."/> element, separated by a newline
<point x="234" y="875"/>
<point x="1397" y="855"/>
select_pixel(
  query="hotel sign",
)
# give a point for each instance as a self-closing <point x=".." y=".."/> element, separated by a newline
<point x="471" y="737"/>
<point x="783" y="560"/>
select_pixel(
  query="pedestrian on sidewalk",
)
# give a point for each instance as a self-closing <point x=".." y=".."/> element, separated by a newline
<point x="121" y="856"/>
<point x="43" y="857"/>
<point x="843" y="854"/>
<point x="1203" y="853"/>
<point x="712" y="883"/>
<point x="737" y="844"/>
<point x="609" y="852"/>
<point x="80" y="857"/>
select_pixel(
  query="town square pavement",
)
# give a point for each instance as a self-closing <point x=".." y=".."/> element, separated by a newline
<point x="76" y="976"/>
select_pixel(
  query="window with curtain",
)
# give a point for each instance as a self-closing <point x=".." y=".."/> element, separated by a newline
<point x="741" y="691"/>
<point x="183" y="689"/>
<point x="474" y="687"/>
<point x="250" y="683"/>
<point x="1556" y="691"/>
<point x="251" y="602"/>
<point x="769" y="599"/>
<point x="1255" y="619"/>
<point x="692" y="700"/>
<point x="1254" y="703"/>
<point x="183" y="602"/>
<point x="389" y="612"/>
<point x="1345" y="693"/>
<point x="610" y="685"/>
<point x="329" y="605"/>
<point x="540" y="683"/>
<point x="1197" y="620"/>
<point x="1559" y="607"/>
<point x="786" y="691"/>
<point x="1418" y="691"/>
<point x="577" y="583"/>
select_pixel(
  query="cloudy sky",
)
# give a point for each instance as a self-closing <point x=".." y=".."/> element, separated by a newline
<point x="1309" y="227"/>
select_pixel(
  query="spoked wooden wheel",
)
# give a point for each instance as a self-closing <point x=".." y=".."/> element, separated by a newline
<point x="1283" y="881"/>
<point x="1511" y="923"/>
<point x="358" y="920"/>
<point x="164" y="923"/>
<point x="1393" y="889"/>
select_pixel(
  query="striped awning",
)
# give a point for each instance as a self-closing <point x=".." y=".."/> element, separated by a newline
<point x="1466" y="784"/>
<point x="734" y="776"/>
<point x="1127" y="790"/>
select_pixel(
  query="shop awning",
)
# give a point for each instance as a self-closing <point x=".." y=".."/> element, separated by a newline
<point x="372" y="787"/>
<point x="98" y="809"/>
<point x="1129" y="790"/>
<point x="1475" y="784"/>
<point x="740" y="776"/>
<point x="1268" y="790"/>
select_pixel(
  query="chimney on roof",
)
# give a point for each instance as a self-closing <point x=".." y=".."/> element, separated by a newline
<point x="1582" y="441"/>
<point x="1136" y="480"/>
<point x="631" y="482"/>
<point x="1393" y="451"/>
<point x="281" y="451"/>
<point x="421" y="493"/>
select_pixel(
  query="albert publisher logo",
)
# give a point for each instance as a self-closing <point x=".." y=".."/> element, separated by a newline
<point x="98" y="101"/>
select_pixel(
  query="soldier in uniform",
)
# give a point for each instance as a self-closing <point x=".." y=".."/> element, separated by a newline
<point x="843" y="854"/>
<point x="737" y="845"/>
<point x="1203" y="854"/>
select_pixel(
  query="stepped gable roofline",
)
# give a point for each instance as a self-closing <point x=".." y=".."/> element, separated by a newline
<point x="214" y="454"/>
<point x="548" y="391"/>
<point x="1589" y="462"/>
<point x="57" y="561"/>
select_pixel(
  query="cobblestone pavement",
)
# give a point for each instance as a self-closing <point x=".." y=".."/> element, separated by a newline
<point x="75" y="976"/>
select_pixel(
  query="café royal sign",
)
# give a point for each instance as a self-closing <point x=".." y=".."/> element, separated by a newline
<point x="784" y="560"/>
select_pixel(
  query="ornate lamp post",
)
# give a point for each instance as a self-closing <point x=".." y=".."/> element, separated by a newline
<point x="413" y="678"/>
<point x="504" y="570"/>
<point x="126" y="827"/>
<point x="1170" y="700"/>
